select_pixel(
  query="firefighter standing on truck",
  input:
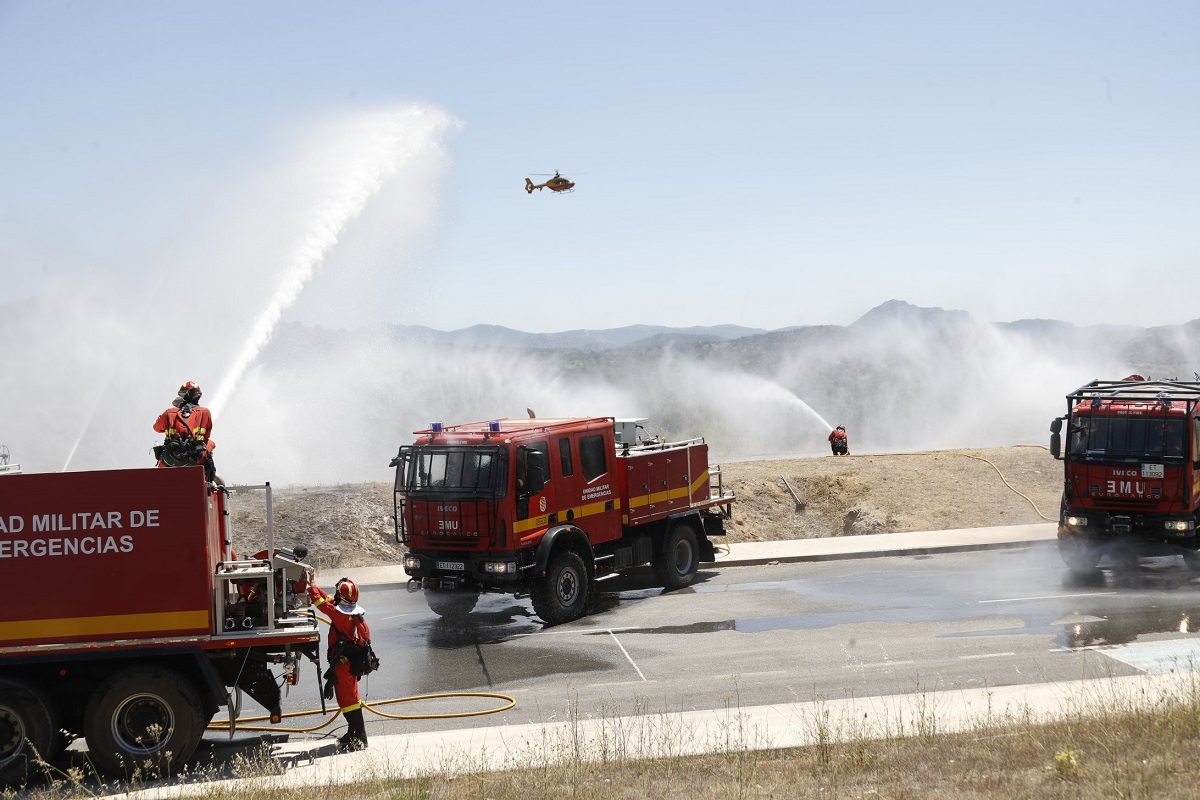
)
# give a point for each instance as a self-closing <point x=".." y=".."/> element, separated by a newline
<point x="349" y="641"/>
<point x="187" y="426"/>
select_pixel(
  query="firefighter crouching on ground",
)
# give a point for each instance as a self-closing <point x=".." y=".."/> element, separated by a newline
<point x="187" y="426"/>
<point x="838" y="442"/>
<point x="350" y="656"/>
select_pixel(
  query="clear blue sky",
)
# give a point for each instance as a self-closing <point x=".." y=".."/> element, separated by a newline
<point x="763" y="163"/>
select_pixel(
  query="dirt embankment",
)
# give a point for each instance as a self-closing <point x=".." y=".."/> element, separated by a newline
<point x="891" y="493"/>
<point x="351" y="526"/>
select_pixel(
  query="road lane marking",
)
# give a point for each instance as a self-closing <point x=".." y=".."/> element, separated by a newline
<point x="626" y="652"/>
<point x="987" y="655"/>
<point x="1047" y="597"/>
<point x="735" y="675"/>
<point x="878" y="664"/>
<point x="619" y="683"/>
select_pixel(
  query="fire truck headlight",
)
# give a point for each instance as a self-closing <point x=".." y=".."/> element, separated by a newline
<point x="1077" y="522"/>
<point x="1179" y="525"/>
<point x="500" y="567"/>
<point x="412" y="562"/>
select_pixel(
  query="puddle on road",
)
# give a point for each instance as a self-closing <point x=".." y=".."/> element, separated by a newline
<point x="1127" y="626"/>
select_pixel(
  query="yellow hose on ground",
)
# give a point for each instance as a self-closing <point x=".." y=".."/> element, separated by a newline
<point x="510" y="703"/>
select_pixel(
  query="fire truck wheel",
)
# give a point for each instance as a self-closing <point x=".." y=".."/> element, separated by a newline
<point x="28" y="730"/>
<point x="675" y="566"/>
<point x="147" y="718"/>
<point x="562" y="595"/>
<point x="450" y="603"/>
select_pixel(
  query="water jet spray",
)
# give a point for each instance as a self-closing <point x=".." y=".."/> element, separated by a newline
<point x="385" y="142"/>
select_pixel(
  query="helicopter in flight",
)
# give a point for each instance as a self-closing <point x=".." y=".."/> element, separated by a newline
<point x="556" y="184"/>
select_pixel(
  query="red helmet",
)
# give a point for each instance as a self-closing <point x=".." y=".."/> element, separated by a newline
<point x="347" y="591"/>
<point x="189" y="387"/>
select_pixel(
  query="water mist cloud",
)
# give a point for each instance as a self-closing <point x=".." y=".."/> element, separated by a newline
<point x="320" y="409"/>
<point x="326" y="406"/>
<point x="369" y="150"/>
<point x="100" y="344"/>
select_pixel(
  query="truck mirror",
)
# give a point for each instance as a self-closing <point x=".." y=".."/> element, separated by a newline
<point x="1056" y="425"/>
<point x="1056" y="444"/>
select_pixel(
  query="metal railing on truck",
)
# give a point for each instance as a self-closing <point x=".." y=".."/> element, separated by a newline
<point x="234" y="575"/>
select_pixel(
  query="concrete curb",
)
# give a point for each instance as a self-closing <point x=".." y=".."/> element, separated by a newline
<point x="883" y="545"/>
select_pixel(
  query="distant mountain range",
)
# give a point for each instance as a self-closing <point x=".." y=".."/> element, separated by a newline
<point x="499" y="336"/>
<point x="1159" y="350"/>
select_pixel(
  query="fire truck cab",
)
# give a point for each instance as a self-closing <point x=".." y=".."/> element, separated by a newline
<point x="1131" y="482"/>
<point x="546" y="507"/>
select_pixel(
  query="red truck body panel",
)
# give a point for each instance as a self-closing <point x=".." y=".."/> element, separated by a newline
<point x="661" y="482"/>
<point x="125" y="554"/>
<point x="638" y="486"/>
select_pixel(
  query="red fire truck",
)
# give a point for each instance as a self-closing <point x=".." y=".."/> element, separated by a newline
<point x="129" y="620"/>
<point x="547" y="507"/>
<point x="1132" y="471"/>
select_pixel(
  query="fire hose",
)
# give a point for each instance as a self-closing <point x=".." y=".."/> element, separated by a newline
<point x="509" y="702"/>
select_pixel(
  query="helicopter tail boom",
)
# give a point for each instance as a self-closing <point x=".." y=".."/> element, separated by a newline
<point x="529" y="187"/>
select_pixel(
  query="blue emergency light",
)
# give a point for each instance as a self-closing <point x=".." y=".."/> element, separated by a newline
<point x="494" y="425"/>
<point x="436" y="427"/>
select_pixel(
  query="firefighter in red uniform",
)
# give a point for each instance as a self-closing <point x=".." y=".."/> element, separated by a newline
<point x="187" y="426"/>
<point x="348" y="636"/>
<point x="838" y="442"/>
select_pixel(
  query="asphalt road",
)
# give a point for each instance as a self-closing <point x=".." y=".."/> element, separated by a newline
<point x="749" y="636"/>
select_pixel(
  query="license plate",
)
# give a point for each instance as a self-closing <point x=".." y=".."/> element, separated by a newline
<point x="458" y="565"/>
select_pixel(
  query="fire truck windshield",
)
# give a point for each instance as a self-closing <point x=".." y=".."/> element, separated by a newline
<point x="1104" y="436"/>
<point x="451" y="471"/>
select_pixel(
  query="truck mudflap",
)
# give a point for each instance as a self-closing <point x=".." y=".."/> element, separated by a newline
<point x="249" y="672"/>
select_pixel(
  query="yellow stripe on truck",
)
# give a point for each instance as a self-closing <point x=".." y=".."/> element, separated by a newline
<point x="579" y="512"/>
<point x="684" y="493"/>
<point x="94" y="626"/>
